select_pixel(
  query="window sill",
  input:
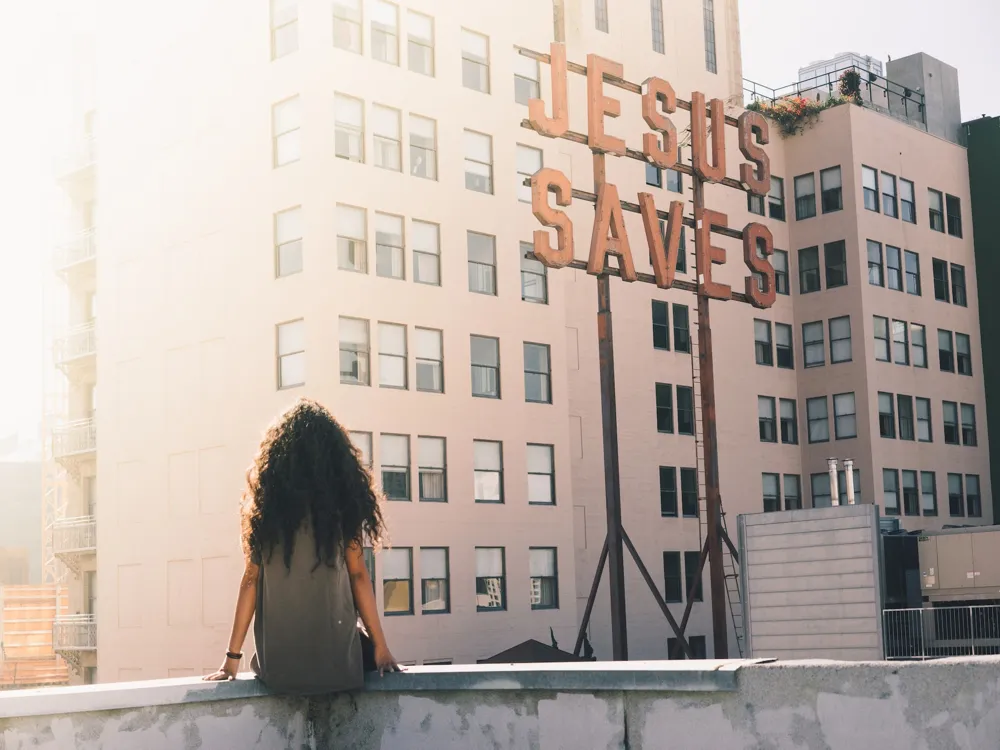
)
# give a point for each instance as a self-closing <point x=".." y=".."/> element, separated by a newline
<point x="491" y="609"/>
<point x="435" y="612"/>
<point x="489" y="502"/>
<point x="398" y="614"/>
<point x="540" y="608"/>
<point x="542" y="505"/>
<point x="436" y="500"/>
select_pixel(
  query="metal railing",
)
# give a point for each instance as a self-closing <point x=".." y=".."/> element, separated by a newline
<point x="937" y="632"/>
<point x="875" y="92"/>
<point x="78" y="249"/>
<point x="74" y="535"/>
<point x="74" y="438"/>
<point x="75" y="633"/>
<point x="79" y="342"/>
<point x="81" y="156"/>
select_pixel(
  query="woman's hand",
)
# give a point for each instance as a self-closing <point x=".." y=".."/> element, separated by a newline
<point x="226" y="672"/>
<point x="384" y="660"/>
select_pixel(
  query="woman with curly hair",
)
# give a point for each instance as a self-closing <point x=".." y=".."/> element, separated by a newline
<point x="308" y="510"/>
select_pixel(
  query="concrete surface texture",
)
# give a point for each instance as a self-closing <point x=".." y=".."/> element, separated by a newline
<point x="952" y="704"/>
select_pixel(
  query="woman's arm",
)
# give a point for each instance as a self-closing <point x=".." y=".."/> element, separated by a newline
<point x="364" y="600"/>
<point x="246" y="605"/>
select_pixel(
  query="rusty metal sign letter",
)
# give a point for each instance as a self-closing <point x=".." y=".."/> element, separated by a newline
<point x="557" y="125"/>
<point x="758" y="236"/>
<point x="714" y="170"/>
<point x="655" y="93"/>
<point x="663" y="259"/>
<point x="707" y="255"/>
<point x="599" y="106"/>
<point x="756" y="180"/>
<point x="541" y="182"/>
<point x="610" y="237"/>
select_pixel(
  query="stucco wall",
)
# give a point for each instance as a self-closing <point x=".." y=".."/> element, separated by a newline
<point x="722" y="706"/>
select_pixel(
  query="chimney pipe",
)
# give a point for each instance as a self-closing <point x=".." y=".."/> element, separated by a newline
<point x="849" y="478"/>
<point x="834" y="484"/>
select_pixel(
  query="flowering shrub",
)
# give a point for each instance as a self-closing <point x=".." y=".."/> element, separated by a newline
<point x="794" y="113"/>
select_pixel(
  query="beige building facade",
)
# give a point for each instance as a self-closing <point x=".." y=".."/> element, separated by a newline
<point x="311" y="201"/>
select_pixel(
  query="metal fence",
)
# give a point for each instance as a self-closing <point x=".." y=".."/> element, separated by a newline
<point x="937" y="632"/>
<point x="75" y="633"/>
<point x="79" y="342"/>
<point x="74" y="437"/>
<point x="78" y="249"/>
<point x="74" y="534"/>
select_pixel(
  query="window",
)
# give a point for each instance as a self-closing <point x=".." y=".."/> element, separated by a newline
<point x="347" y="25"/>
<point x="907" y="201"/>
<point x="755" y="204"/>
<point x="478" y="162"/>
<point x="818" y="416"/>
<point x="954" y="215"/>
<point x="656" y="23"/>
<point x="783" y="345"/>
<point x="491" y="579"/>
<point x="354" y="351"/>
<point x="845" y="416"/>
<point x="672" y="579"/>
<point x="912" y="261"/>
<point x="475" y="61"/>
<point x="869" y="184"/>
<point x="420" y="43"/>
<point x="835" y="254"/>
<point x="661" y="325"/>
<point x="682" y="330"/>
<point x="876" y="272"/>
<point x="805" y="196"/>
<point x="904" y="405"/>
<point x="485" y="366"/>
<point x="601" y="15"/>
<point x="395" y="460"/>
<point x="529" y="161"/>
<point x="911" y="494"/>
<point x="780" y="262"/>
<point x="426" y="238"/>
<point x="675" y="183"/>
<point x="482" y="263"/>
<point x="385" y="32"/>
<point x="527" y="79"/>
<point x="890" y="492"/>
<point x="541" y="475"/>
<point x="832" y="190"/>
<point x="951" y="434"/>
<point x="668" y="491"/>
<point x="793" y="492"/>
<point x="392" y="358"/>
<point x="766" y="421"/>
<point x="423" y="147"/>
<point x="685" y="410"/>
<point x="946" y="352"/>
<point x="352" y="249"/>
<point x="969" y="438"/>
<point x="544" y="578"/>
<point x="291" y="354"/>
<point x="397" y="581"/>
<point x="435" y="594"/>
<point x="534" y="277"/>
<point x="772" y="492"/>
<point x="958" y="285"/>
<point x="928" y="493"/>
<point x="936" y="207"/>
<point x="537" y="374"/>
<point x="689" y="493"/>
<point x="694" y="589"/>
<point x="941" y="291"/>
<point x="430" y="360"/>
<point x="284" y="28"/>
<point x="431" y="469"/>
<point x="288" y="242"/>
<point x="886" y="416"/>
<point x="386" y="137"/>
<point x="820" y="485"/>
<point x="664" y="408"/>
<point x="789" y="422"/>
<point x="925" y="433"/>
<point x="900" y="343"/>
<point x="963" y="348"/>
<point x="973" y="499"/>
<point x="840" y="339"/>
<point x="349" y="135"/>
<point x="889" y="206"/>
<point x="809" y="279"/>
<point x="363" y="442"/>
<point x="918" y="343"/>
<point x="711" y="64"/>
<point x="956" y="496"/>
<point x="894" y="265"/>
<point x="881" y="339"/>
<point x="696" y="643"/>
<point x="285" y="124"/>
<point x="776" y="199"/>
<point x="488" y="464"/>
<point x="389" y="253"/>
<point x="763" y="343"/>
<point x="813" y="349"/>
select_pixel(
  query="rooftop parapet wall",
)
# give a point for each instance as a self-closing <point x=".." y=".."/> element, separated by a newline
<point x="940" y="705"/>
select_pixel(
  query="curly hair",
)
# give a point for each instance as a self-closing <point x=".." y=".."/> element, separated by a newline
<point x="308" y="471"/>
